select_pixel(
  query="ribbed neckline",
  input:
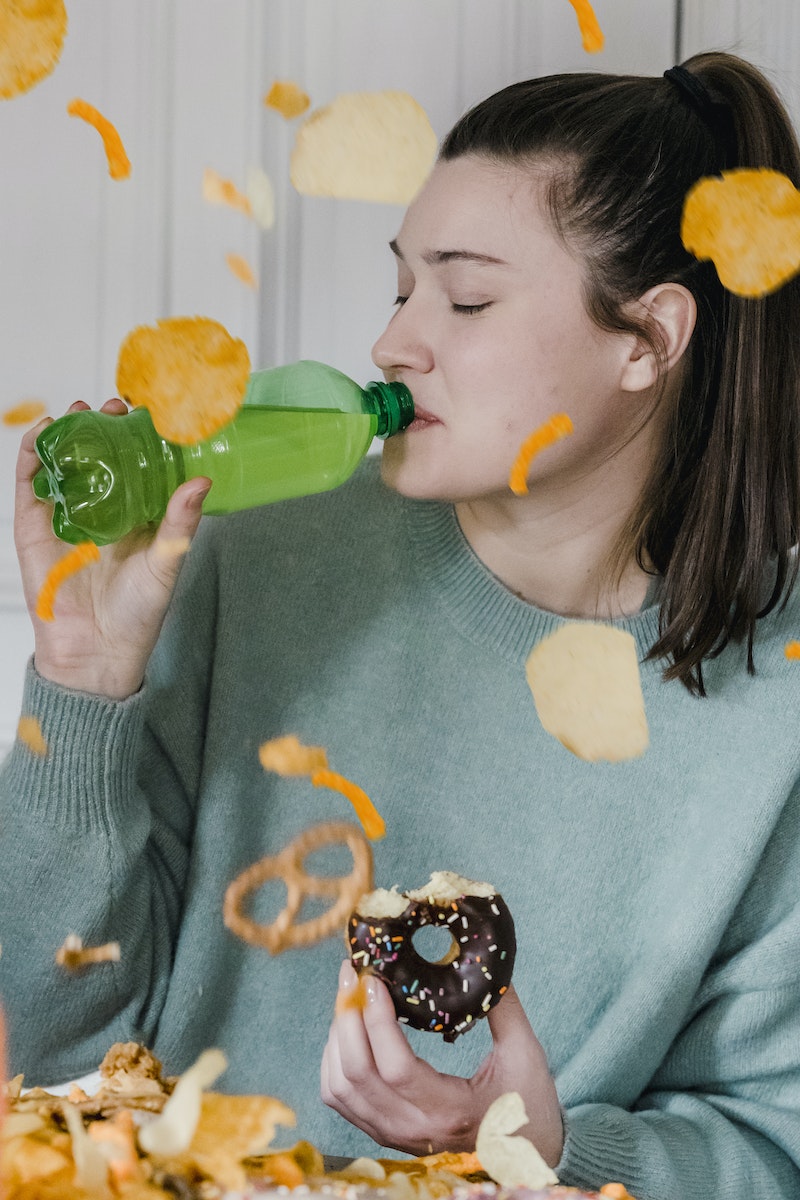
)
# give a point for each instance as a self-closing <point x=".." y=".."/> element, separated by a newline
<point x="479" y="604"/>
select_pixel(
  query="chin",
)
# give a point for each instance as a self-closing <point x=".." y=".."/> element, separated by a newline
<point x="406" y="480"/>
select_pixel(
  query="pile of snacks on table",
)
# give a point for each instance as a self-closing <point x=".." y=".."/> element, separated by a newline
<point x="142" y="1136"/>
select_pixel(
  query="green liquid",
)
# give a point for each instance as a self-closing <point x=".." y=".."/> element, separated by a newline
<point x="270" y="454"/>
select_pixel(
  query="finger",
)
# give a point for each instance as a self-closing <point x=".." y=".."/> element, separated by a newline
<point x="175" y="533"/>
<point x="511" y="1030"/>
<point x="366" y="1101"/>
<point x="114" y="406"/>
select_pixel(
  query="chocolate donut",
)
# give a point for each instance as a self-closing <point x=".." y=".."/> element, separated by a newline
<point x="447" y="996"/>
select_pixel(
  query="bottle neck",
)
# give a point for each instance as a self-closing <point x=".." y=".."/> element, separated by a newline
<point x="392" y="404"/>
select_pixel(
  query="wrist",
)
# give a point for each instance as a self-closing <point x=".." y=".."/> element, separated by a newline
<point x="110" y="681"/>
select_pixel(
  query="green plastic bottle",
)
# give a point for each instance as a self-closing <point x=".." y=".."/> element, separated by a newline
<point x="302" y="428"/>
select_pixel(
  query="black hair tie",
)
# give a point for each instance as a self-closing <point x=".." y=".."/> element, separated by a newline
<point x="716" y="115"/>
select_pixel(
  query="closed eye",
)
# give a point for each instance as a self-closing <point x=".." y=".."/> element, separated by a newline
<point x="470" y="309"/>
<point x="399" y="300"/>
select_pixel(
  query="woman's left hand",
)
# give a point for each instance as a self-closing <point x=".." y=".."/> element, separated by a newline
<point x="372" y="1077"/>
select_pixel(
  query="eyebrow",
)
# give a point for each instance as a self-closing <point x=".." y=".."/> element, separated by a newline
<point x="436" y="258"/>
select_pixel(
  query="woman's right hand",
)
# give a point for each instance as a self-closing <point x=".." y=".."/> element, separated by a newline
<point x="109" y="615"/>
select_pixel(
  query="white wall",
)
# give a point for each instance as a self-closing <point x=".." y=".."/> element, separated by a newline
<point x="83" y="259"/>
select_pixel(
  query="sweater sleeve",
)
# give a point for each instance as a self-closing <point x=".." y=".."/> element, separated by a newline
<point x="720" y="1117"/>
<point x="96" y="837"/>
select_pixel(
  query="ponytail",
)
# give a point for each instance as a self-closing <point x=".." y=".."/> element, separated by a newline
<point x="725" y="514"/>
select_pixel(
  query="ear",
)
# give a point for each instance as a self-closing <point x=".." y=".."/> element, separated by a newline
<point x="672" y="310"/>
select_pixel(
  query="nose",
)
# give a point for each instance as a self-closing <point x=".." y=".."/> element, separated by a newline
<point x="403" y="345"/>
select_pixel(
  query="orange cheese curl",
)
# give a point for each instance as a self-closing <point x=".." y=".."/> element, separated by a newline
<point x="24" y="413"/>
<point x="119" y="166"/>
<point x="551" y="431"/>
<point x="368" y="815"/>
<point x="80" y="556"/>
<point x="592" y="37"/>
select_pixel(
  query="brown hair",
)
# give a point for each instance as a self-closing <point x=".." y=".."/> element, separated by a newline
<point x="721" y="512"/>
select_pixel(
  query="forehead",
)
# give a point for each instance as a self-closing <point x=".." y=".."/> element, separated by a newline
<point x="472" y="203"/>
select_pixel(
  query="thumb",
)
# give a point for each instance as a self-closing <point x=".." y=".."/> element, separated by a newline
<point x="178" y="527"/>
<point x="511" y="1030"/>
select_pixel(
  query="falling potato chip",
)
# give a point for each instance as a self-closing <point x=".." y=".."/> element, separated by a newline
<point x="588" y="694"/>
<point x="375" y="146"/>
<point x="188" y="372"/>
<point x="511" y="1161"/>
<point x="748" y="224"/>
<point x="32" y="36"/>
<point x="261" y="195"/>
<point x="287" y="98"/>
<point x="288" y="756"/>
<point x="217" y="190"/>
<point x="119" y="166"/>
<point x="29" y="731"/>
<point x="241" y="268"/>
<point x="792" y="650"/>
<point x="24" y="413"/>
<point x="592" y="37"/>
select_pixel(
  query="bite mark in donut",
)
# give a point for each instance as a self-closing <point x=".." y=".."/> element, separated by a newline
<point x="450" y="995"/>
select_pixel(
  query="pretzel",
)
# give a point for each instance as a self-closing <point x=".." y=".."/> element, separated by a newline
<point x="288" y="865"/>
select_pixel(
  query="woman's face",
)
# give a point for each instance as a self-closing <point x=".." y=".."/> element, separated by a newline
<point x="492" y="338"/>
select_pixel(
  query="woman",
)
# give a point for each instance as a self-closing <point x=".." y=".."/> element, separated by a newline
<point x="540" y="270"/>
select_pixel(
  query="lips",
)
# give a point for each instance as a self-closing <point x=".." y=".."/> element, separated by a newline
<point x="422" y="418"/>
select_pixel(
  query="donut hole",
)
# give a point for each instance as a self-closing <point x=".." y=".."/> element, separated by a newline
<point x="435" y="944"/>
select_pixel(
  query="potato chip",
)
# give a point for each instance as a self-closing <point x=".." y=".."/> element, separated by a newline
<point x="116" y="1140"/>
<point x="792" y="650"/>
<point x="241" y="268"/>
<point x="748" y="224"/>
<point x="119" y="166"/>
<point x="616" y="1191"/>
<point x="74" y="955"/>
<point x="91" y="1167"/>
<point x="29" y="731"/>
<point x="231" y="1128"/>
<point x="217" y="190"/>
<point x="188" y="372"/>
<point x="553" y="430"/>
<point x="31" y="40"/>
<point x="588" y="694"/>
<point x="591" y="34"/>
<point x="173" y="1130"/>
<point x="287" y="98"/>
<point x="79" y="557"/>
<point x="376" y="146"/>
<point x="511" y="1161"/>
<point x="261" y="195"/>
<point x="373" y="823"/>
<point x="288" y="756"/>
<point x="24" y="413"/>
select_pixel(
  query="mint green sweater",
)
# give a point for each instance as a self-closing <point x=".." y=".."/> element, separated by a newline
<point x="656" y="900"/>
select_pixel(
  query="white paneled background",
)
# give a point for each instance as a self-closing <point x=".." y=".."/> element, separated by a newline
<point x="83" y="259"/>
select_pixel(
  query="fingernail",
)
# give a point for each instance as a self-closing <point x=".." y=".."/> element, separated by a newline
<point x="196" y="499"/>
<point x="371" y="988"/>
<point x="347" y="976"/>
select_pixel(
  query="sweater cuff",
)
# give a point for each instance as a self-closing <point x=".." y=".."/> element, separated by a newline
<point x="85" y="780"/>
<point x="597" y="1148"/>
